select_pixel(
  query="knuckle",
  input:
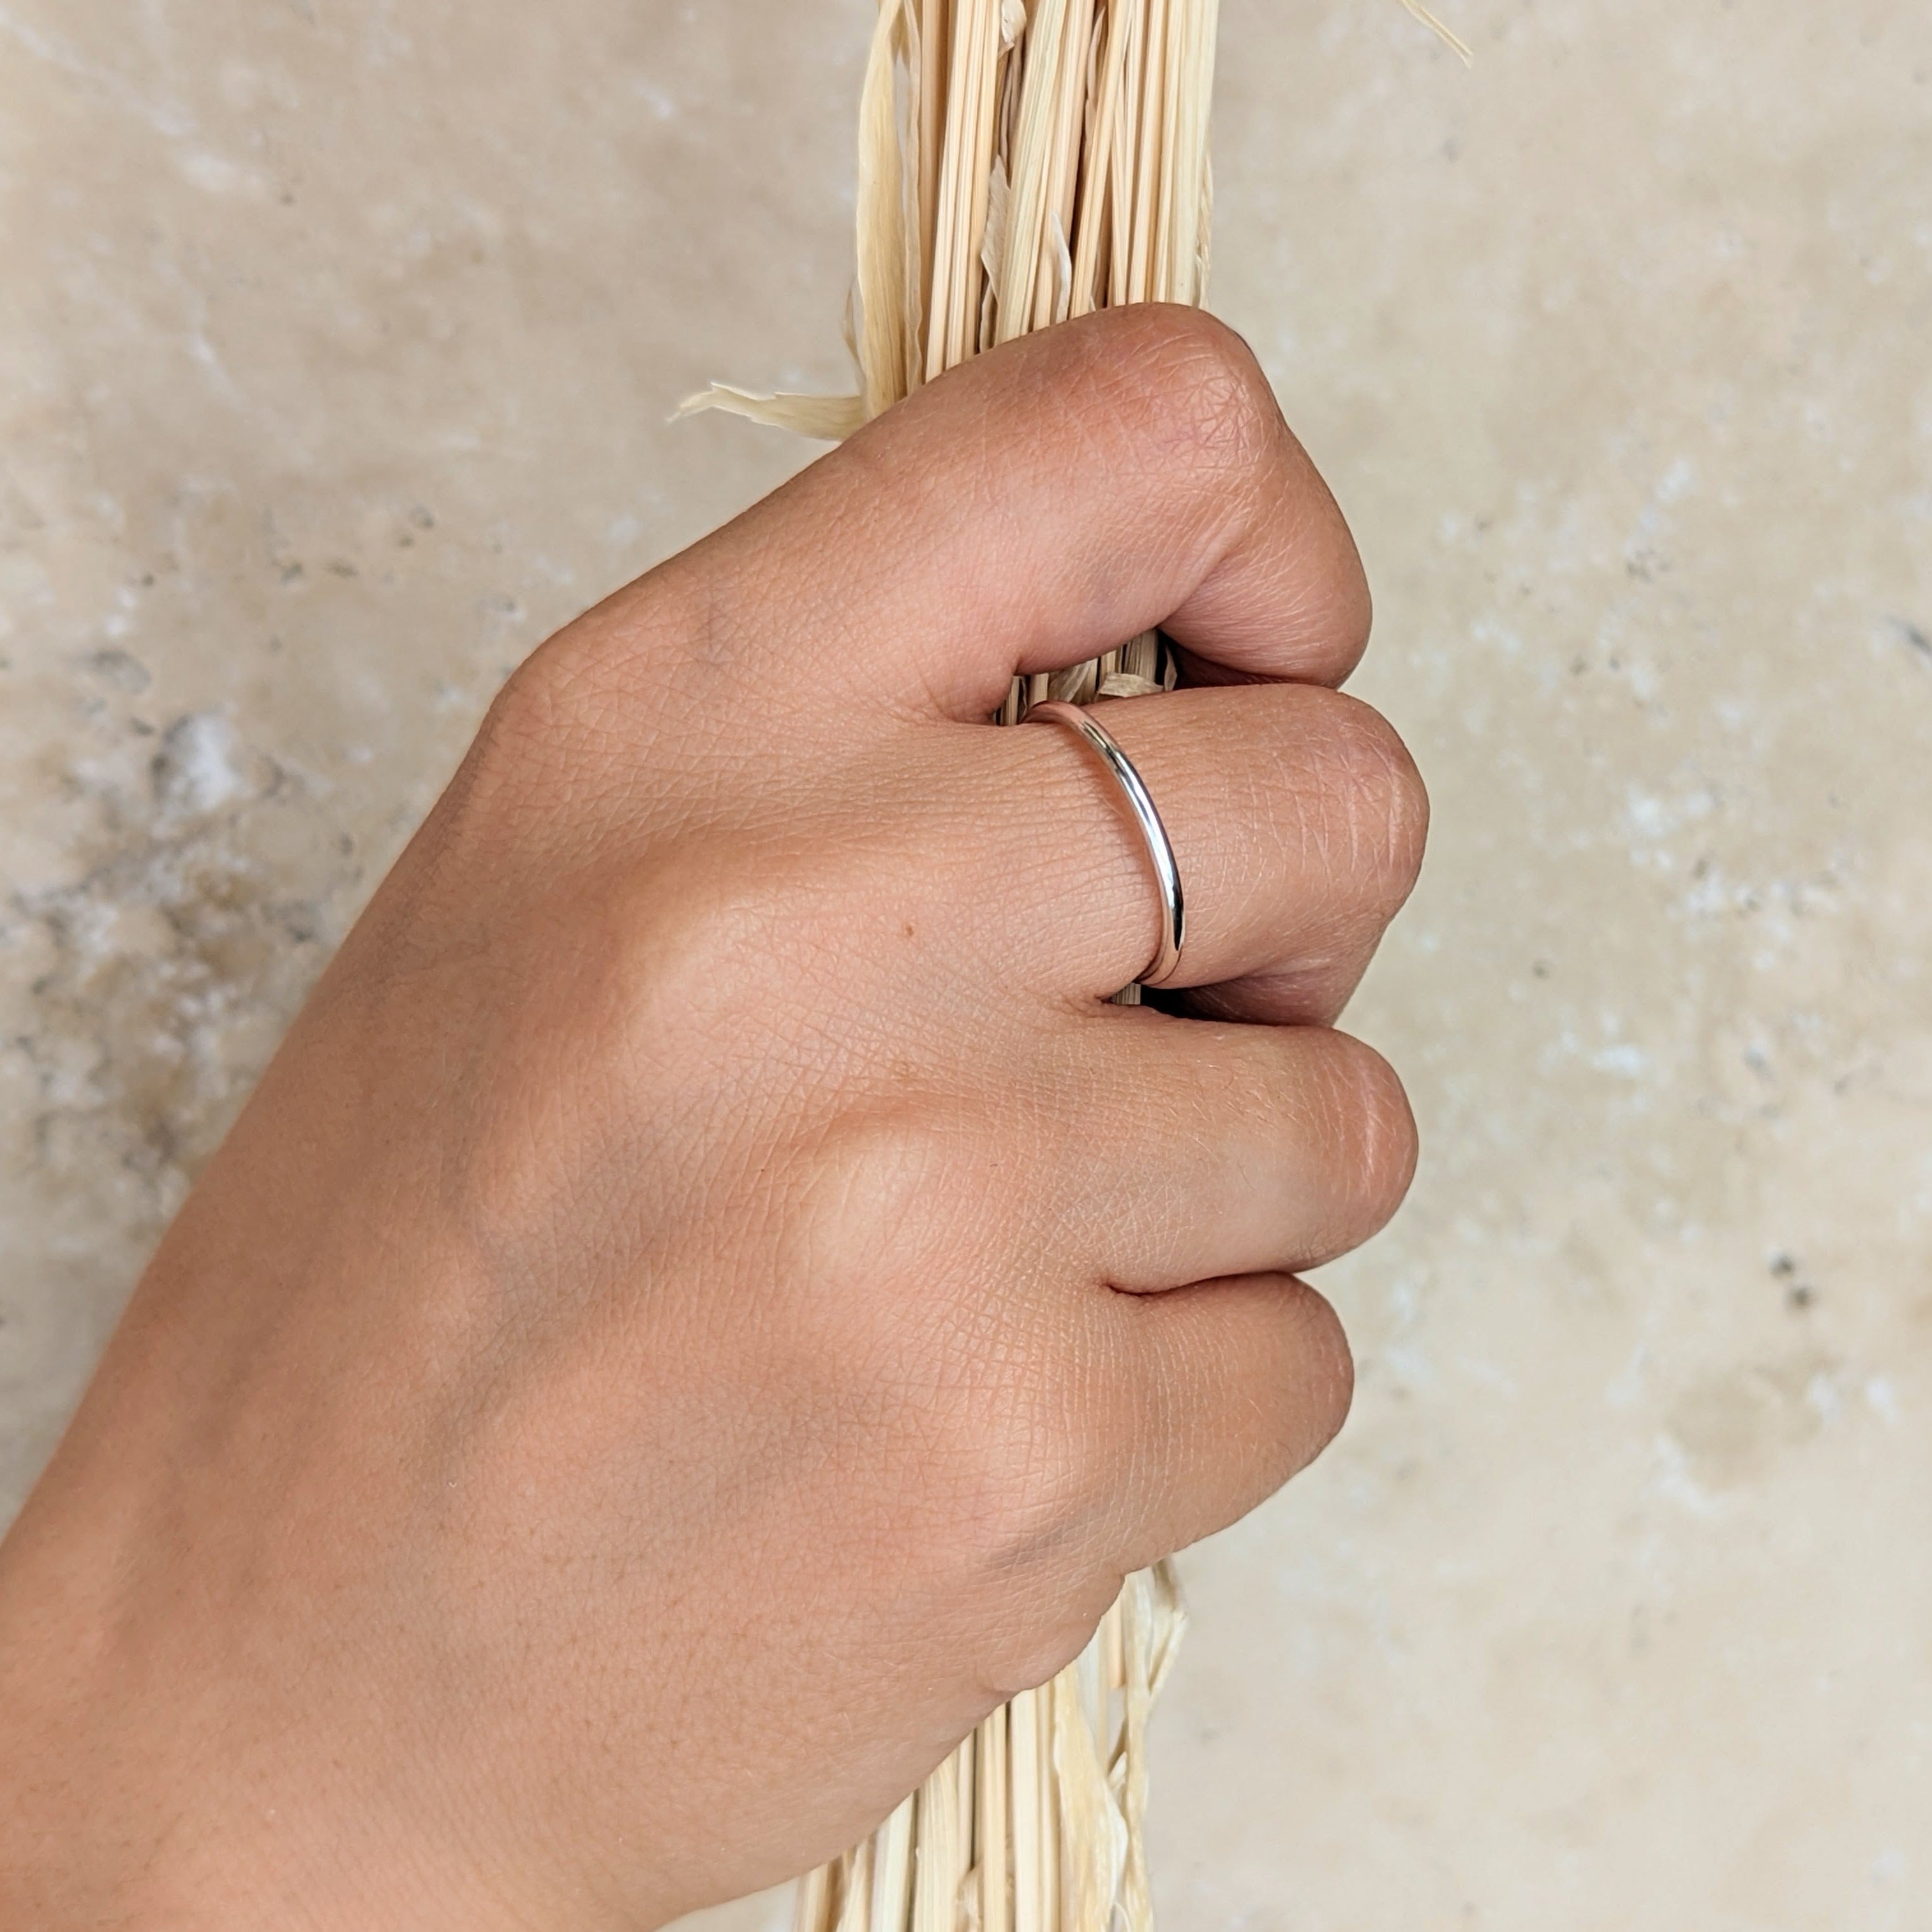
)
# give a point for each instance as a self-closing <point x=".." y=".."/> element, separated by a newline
<point x="1036" y="1446"/>
<point x="1326" y="1390"/>
<point x="712" y="919"/>
<point x="510" y="750"/>
<point x="1040" y="1503"/>
<point x="1031" y="1636"/>
<point x="1041" y="1478"/>
<point x="1188" y="388"/>
<point x="693" y="962"/>
<point x="536" y="751"/>
<point x="1246" y="1392"/>
<point x="868" y="1239"/>
<point x="586" y="700"/>
<point x="1383" y="1144"/>
<point x="1381" y="800"/>
<point x="533" y="723"/>
<point x="693" y="941"/>
<point x="954" y="1398"/>
<point x="1295" y="1377"/>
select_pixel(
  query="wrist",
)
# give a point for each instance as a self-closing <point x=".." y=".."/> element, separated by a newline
<point x="130" y="1794"/>
<point x="104" y="1815"/>
<point x="159" y="1767"/>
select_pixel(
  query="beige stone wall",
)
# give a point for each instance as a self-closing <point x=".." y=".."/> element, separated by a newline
<point x="336" y="338"/>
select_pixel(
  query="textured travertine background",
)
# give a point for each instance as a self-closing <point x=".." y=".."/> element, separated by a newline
<point x="336" y="338"/>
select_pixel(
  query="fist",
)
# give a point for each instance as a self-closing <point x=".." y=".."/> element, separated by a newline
<point x="711" y="1297"/>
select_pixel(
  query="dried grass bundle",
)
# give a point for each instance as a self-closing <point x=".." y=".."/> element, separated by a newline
<point x="1016" y="168"/>
<point x="1019" y="165"/>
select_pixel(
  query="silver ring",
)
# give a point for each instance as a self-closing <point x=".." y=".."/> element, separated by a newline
<point x="1159" y="848"/>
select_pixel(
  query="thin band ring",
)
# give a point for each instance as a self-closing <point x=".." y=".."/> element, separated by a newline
<point x="1160" y="848"/>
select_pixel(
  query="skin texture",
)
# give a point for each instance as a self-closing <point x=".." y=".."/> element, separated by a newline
<point x="709" y="1299"/>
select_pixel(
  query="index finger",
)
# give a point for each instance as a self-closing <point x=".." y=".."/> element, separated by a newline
<point x="1039" y="505"/>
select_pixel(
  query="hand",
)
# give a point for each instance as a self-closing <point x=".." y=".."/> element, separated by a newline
<point x="709" y="1299"/>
